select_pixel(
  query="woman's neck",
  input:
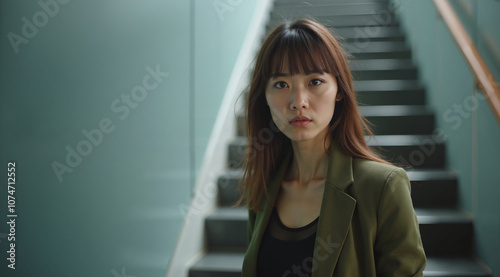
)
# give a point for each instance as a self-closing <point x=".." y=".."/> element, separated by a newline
<point x="310" y="162"/>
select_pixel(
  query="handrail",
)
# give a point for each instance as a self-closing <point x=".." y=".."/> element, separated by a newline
<point x="483" y="75"/>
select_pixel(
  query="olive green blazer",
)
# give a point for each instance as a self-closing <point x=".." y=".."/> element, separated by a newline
<point x="367" y="225"/>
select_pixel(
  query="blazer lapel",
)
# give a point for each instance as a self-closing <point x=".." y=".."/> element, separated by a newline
<point x="337" y="210"/>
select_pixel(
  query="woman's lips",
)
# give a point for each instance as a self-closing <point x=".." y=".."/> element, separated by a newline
<point x="300" y="121"/>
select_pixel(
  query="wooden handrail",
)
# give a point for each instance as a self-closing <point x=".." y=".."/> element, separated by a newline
<point x="483" y="75"/>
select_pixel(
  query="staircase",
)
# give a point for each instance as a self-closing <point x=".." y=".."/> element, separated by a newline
<point x="392" y="98"/>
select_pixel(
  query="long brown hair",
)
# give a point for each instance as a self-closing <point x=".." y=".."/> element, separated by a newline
<point x="308" y="47"/>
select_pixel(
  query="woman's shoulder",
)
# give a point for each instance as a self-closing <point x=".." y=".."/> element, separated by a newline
<point x="373" y="168"/>
<point x="373" y="176"/>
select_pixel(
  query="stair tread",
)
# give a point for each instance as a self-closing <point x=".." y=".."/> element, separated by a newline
<point x="415" y="150"/>
<point x="395" y="110"/>
<point x="436" y="266"/>
<point x="288" y="2"/>
<point x="377" y="140"/>
<point x="424" y="215"/>
<point x="361" y="33"/>
<point x="386" y="85"/>
<point x="415" y="174"/>
<point x="220" y="261"/>
<point x="398" y="140"/>
<point x="362" y="20"/>
<point x="431" y="187"/>
<point x="434" y="174"/>
<point x="329" y="9"/>
<point x="441" y="215"/>
<point x="381" y="64"/>
<point x="308" y="5"/>
<point x="234" y="172"/>
<point x="229" y="213"/>
<point x="440" y="266"/>
<point x="376" y="46"/>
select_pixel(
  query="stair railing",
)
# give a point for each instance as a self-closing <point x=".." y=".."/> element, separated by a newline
<point x="484" y="78"/>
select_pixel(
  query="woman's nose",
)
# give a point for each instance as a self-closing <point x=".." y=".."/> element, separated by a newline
<point x="298" y="98"/>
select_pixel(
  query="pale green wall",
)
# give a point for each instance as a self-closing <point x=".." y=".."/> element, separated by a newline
<point x="117" y="212"/>
<point x="219" y="37"/>
<point x="473" y="148"/>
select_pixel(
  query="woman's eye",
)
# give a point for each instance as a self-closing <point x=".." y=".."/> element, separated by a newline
<point x="280" y="85"/>
<point x="316" y="82"/>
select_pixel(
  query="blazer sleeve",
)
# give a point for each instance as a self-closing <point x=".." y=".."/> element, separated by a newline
<point x="250" y="225"/>
<point x="398" y="246"/>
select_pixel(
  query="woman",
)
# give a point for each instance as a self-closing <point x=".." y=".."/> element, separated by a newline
<point x="321" y="203"/>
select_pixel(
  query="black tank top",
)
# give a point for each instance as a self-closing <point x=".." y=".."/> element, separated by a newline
<point x="286" y="251"/>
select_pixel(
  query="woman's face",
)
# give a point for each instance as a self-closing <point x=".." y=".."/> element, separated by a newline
<point x="302" y="105"/>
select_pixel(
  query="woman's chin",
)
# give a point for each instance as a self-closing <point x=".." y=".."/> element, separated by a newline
<point x="306" y="135"/>
<point x="301" y="137"/>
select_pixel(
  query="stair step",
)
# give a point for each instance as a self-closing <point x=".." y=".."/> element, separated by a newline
<point x="381" y="74"/>
<point x="440" y="229"/>
<point x="454" y="267"/>
<point x="331" y="9"/>
<point x="389" y="92"/>
<point x="378" y="50"/>
<point x="410" y="151"/>
<point x="227" y="185"/>
<point x="445" y="232"/>
<point x="226" y="228"/>
<point x="380" y="69"/>
<point x="387" y="85"/>
<point x="362" y="34"/>
<point x="218" y="264"/>
<point x="215" y="264"/>
<point x="433" y="188"/>
<point x="362" y="20"/>
<point x="395" y="119"/>
<point x="382" y="64"/>
<point x="296" y="2"/>
<point x="237" y="148"/>
<point x="415" y="151"/>
<point x="430" y="188"/>
<point x="391" y="97"/>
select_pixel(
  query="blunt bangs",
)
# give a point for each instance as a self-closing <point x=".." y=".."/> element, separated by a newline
<point x="298" y="50"/>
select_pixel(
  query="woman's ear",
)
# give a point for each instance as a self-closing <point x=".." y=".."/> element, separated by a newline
<point x="338" y="97"/>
